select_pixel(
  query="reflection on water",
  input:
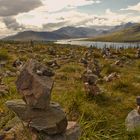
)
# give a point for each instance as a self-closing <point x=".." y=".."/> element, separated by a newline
<point x="97" y="44"/>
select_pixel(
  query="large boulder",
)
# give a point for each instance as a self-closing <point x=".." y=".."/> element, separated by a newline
<point x="35" y="85"/>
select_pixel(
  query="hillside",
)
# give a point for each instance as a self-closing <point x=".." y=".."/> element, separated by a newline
<point x="32" y="35"/>
<point x="78" y="32"/>
<point x="130" y="34"/>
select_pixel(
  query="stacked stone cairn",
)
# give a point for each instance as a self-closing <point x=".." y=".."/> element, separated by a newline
<point x="90" y="83"/>
<point x="106" y="53"/>
<point x="138" y="53"/>
<point x="91" y="74"/>
<point x="41" y="116"/>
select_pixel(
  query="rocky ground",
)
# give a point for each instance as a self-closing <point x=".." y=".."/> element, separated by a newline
<point x="100" y="105"/>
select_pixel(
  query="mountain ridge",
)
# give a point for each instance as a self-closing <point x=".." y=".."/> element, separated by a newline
<point x="130" y="34"/>
<point x="68" y="32"/>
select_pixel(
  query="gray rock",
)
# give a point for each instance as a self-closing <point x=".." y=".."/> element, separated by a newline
<point x="133" y="121"/>
<point x="89" y="78"/>
<point x="51" y="121"/>
<point x="72" y="133"/>
<point x="111" y="77"/>
<point x="34" y="85"/>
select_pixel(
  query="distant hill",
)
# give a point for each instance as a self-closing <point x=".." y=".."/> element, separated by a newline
<point x="127" y="34"/>
<point x="77" y="32"/>
<point x="121" y="27"/>
<point x="62" y="33"/>
<point x="33" y="35"/>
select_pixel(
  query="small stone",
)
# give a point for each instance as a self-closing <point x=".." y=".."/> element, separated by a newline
<point x="111" y="77"/>
<point x="17" y="63"/>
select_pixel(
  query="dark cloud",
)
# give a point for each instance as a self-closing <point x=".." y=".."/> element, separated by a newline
<point x="100" y="18"/>
<point x="50" y="26"/>
<point x="14" y="7"/>
<point x="12" y="24"/>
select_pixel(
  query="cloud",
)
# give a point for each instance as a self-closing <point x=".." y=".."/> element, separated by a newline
<point x="133" y="8"/>
<point x="51" y="21"/>
<point x="78" y="19"/>
<point x="11" y="23"/>
<point x="54" y="14"/>
<point x="53" y="5"/>
<point x="14" y="7"/>
<point x="54" y="26"/>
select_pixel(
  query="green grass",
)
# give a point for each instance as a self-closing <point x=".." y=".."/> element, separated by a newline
<point x="4" y="55"/>
<point x="101" y="117"/>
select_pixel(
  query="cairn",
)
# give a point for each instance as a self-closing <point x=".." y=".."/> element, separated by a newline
<point x="41" y="116"/>
<point x="138" y="53"/>
<point x="106" y="53"/>
<point x="90" y="83"/>
<point x="94" y="66"/>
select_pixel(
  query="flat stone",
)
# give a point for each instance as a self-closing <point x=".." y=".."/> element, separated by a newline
<point x="72" y="133"/>
<point x="34" y="85"/>
<point x="51" y="121"/>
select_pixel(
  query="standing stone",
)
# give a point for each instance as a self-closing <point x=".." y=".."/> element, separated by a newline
<point x="35" y="89"/>
<point x="90" y="83"/>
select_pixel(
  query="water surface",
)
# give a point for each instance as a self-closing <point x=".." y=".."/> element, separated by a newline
<point x="97" y="44"/>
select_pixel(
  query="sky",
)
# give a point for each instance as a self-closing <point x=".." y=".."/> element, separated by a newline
<point x="48" y="15"/>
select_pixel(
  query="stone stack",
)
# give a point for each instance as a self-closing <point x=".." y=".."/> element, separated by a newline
<point x="90" y="83"/>
<point x="138" y="53"/>
<point x="42" y="116"/>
